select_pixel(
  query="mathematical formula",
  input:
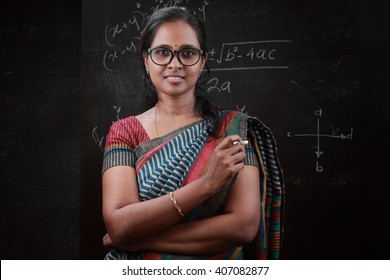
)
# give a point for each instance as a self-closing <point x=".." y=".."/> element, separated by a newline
<point x="249" y="55"/>
<point x="318" y="135"/>
<point x="99" y="140"/>
<point x="123" y="38"/>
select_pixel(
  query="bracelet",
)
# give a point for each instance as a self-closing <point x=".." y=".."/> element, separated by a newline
<point x="176" y="205"/>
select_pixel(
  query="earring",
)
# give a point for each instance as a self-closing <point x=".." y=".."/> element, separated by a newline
<point x="147" y="71"/>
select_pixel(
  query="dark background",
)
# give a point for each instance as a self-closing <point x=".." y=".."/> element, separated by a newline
<point x="307" y="68"/>
<point x="40" y="129"/>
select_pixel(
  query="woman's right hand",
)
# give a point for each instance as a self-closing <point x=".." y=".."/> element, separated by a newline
<point x="226" y="161"/>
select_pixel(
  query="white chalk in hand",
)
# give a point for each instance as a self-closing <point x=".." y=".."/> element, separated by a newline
<point x="243" y="142"/>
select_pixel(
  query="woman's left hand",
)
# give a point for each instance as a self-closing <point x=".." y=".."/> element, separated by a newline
<point x="107" y="242"/>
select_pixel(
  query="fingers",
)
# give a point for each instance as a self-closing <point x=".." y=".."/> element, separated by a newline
<point x="106" y="236"/>
<point x="107" y="243"/>
<point x="239" y="156"/>
<point x="232" y="144"/>
<point x="230" y="153"/>
<point x="228" y="141"/>
<point x="228" y="160"/>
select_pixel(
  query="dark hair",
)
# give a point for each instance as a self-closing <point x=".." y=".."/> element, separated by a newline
<point x="203" y="107"/>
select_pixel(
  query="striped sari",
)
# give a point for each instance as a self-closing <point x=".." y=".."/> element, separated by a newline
<point x="170" y="162"/>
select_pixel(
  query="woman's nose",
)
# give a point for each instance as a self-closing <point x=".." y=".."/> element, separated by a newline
<point x="175" y="62"/>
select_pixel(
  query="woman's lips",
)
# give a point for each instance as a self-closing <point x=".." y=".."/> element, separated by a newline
<point x="174" y="79"/>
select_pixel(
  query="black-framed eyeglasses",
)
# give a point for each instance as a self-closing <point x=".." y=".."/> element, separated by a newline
<point x="163" y="56"/>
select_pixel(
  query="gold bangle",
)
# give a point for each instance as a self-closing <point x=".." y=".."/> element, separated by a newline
<point x="176" y="205"/>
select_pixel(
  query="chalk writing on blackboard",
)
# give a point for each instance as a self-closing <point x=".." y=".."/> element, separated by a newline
<point x="241" y="109"/>
<point x="110" y="57"/>
<point x="336" y="181"/>
<point x="123" y="37"/>
<point x="216" y="86"/>
<point x="318" y="135"/>
<point x="251" y="55"/>
<point x="99" y="140"/>
<point x="117" y="109"/>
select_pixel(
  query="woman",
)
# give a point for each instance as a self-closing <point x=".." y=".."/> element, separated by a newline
<point x="178" y="182"/>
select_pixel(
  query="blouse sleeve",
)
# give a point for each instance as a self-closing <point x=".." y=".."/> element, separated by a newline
<point x="119" y="149"/>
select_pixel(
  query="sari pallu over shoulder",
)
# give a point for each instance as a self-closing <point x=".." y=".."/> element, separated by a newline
<point x="267" y="243"/>
<point x="170" y="162"/>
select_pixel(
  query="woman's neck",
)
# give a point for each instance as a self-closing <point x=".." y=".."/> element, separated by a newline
<point x="170" y="115"/>
<point x="176" y="108"/>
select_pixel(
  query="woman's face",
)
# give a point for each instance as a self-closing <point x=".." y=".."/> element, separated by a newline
<point x="174" y="79"/>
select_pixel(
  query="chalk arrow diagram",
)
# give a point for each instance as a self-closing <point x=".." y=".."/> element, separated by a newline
<point x="318" y="153"/>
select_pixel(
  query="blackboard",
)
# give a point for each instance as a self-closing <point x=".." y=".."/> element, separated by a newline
<point x="315" y="72"/>
<point x="39" y="129"/>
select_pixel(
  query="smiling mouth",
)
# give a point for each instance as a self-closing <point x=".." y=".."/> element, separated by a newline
<point x="174" y="79"/>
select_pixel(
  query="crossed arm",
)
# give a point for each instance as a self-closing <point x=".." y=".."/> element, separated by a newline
<point x="152" y="224"/>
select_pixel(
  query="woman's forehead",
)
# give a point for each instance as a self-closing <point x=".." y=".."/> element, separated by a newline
<point x="175" y="34"/>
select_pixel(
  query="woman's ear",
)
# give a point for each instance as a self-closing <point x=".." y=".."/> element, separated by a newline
<point x="204" y="59"/>
<point x="146" y="63"/>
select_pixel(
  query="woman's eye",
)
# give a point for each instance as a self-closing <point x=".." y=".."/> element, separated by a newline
<point x="162" y="52"/>
<point x="188" y="52"/>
